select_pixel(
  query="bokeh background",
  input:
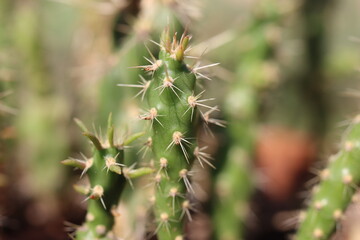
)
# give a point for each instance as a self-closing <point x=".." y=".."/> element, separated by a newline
<point x="287" y="84"/>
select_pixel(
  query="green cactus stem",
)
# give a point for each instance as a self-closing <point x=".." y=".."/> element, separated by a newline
<point x="107" y="176"/>
<point x="335" y="191"/>
<point x="170" y="96"/>
<point x="172" y="112"/>
<point x="255" y="73"/>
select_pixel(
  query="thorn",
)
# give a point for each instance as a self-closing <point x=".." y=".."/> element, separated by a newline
<point x="205" y="66"/>
<point x="191" y="57"/>
<point x="201" y="156"/>
<point x="70" y="227"/>
<point x="173" y="193"/>
<point x="151" y="115"/>
<point x="168" y="82"/>
<point x="290" y="219"/>
<point x="163" y="222"/>
<point x="150" y="53"/>
<point x="194" y="101"/>
<point x="183" y="174"/>
<point x="144" y="84"/>
<point x="186" y="207"/>
<point x="163" y="166"/>
<point x="146" y="147"/>
<point x="165" y="40"/>
<point x="203" y="76"/>
<point x="196" y="67"/>
<point x="207" y="119"/>
<point x="112" y="165"/>
<point x="127" y="174"/>
<point x="88" y="163"/>
<point x="178" y="139"/>
<point x="157" y="44"/>
<point x="158" y="179"/>
<point x="97" y="193"/>
<point x="147" y="59"/>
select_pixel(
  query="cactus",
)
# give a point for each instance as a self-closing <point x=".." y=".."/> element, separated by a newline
<point x="172" y="112"/>
<point x="107" y="175"/>
<point x="150" y="21"/>
<point x="334" y="193"/>
<point x="170" y="96"/>
<point x="233" y="188"/>
<point x="233" y="184"/>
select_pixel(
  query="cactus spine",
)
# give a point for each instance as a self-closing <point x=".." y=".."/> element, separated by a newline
<point x="172" y="105"/>
<point x="107" y="176"/>
<point x="335" y="191"/>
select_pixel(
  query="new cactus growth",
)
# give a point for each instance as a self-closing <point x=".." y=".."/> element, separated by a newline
<point x="107" y="176"/>
<point x="334" y="193"/>
<point x="172" y="112"/>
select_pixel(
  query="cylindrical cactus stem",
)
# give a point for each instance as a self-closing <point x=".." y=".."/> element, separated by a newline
<point x="172" y="103"/>
<point x="334" y="193"/>
<point x="255" y="73"/>
<point x="107" y="176"/>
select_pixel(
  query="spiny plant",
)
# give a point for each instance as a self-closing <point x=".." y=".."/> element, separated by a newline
<point x="150" y="21"/>
<point x="172" y="112"/>
<point x="107" y="175"/>
<point x="233" y="184"/>
<point x="170" y="90"/>
<point x="336" y="189"/>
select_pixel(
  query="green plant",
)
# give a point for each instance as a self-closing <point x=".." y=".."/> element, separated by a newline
<point x="173" y="115"/>
<point x="255" y="73"/>
<point x="335" y="190"/>
<point x="107" y="176"/>
<point x="171" y="100"/>
<point x="40" y="110"/>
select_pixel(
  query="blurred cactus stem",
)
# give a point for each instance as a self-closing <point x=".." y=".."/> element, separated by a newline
<point x="255" y="73"/>
<point x="338" y="181"/>
<point x="41" y="111"/>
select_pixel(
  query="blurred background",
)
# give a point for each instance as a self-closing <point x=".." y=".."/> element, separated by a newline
<point x="287" y="86"/>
